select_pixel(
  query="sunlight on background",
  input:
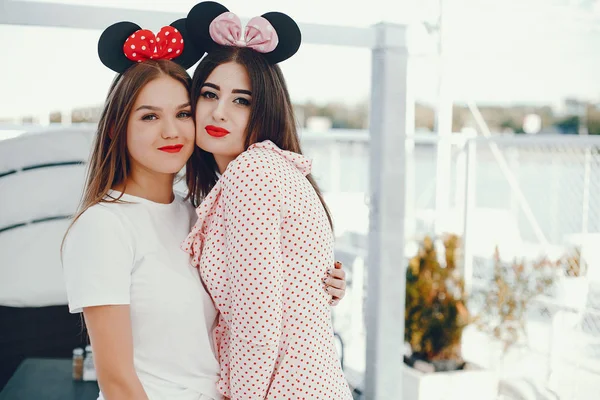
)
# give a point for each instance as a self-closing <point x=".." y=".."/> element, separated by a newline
<point x="496" y="52"/>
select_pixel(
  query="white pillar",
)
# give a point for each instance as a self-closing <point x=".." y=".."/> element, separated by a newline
<point x="460" y="184"/>
<point x="469" y="208"/>
<point x="443" y="124"/>
<point x="391" y="102"/>
<point x="410" y="225"/>
<point x="443" y="162"/>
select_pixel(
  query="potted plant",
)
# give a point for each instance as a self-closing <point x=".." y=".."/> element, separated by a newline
<point x="435" y="311"/>
<point x="435" y="317"/>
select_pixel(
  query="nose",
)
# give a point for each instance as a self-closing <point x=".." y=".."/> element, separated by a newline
<point x="170" y="129"/>
<point x="219" y="112"/>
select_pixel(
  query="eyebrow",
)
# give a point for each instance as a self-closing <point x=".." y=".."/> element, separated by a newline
<point x="153" y="108"/>
<point x="242" y="91"/>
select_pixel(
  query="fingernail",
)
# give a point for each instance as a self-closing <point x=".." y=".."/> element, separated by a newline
<point x="329" y="271"/>
<point x="324" y="280"/>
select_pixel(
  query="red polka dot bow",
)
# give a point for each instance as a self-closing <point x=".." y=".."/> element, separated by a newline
<point x="143" y="45"/>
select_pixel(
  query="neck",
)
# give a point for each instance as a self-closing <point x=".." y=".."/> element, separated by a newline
<point x="150" y="185"/>
<point x="223" y="162"/>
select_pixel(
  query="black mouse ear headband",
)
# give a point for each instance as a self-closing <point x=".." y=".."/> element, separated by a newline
<point x="124" y="44"/>
<point x="273" y="34"/>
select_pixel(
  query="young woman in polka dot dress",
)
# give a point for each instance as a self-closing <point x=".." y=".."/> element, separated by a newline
<point x="147" y="313"/>
<point x="263" y="240"/>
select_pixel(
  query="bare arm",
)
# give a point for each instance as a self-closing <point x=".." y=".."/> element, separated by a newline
<point x="109" y="328"/>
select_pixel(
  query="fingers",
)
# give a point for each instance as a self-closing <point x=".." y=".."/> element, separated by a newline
<point x="336" y="294"/>
<point x="338" y="274"/>
<point x="335" y="282"/>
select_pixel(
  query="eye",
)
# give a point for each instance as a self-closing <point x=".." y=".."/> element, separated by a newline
<point x="242" y="101"/>
<point x="208" y="95"/>
<point x="184" y="114"/>
<point x="149" y="117"/>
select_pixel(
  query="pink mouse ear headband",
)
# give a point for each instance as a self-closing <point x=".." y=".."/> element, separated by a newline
<point x="274" y="34"/>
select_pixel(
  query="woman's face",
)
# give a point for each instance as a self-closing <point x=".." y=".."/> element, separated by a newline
<point x="160" y="129"/>
<point x="223" y="112"/>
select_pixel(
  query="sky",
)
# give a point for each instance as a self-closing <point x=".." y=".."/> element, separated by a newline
<point x="497" y="52"/>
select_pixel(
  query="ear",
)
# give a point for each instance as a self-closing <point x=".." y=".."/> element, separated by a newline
<point x="289" y="35"/>
<point x="191" y="52"/>
<point x="110" y="45"/>
<point x="198" y="22"/>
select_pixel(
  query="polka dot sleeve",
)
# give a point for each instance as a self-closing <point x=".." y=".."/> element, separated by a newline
<point x="252" y="213"/>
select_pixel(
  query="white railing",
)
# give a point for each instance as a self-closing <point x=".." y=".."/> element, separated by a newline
<point x="543" y="200"/>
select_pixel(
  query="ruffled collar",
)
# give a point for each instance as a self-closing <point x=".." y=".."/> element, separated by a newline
<point x="300" y="161"/>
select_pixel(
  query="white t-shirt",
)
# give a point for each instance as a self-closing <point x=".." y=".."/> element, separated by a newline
<point x="124" y="253"/>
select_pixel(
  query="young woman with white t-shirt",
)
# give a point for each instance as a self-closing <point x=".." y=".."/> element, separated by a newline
<point x="148" y="316"/>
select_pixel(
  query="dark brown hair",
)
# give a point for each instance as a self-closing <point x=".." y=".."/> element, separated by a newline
<point x="109" y="160"/>
<point x="271" y="115"/>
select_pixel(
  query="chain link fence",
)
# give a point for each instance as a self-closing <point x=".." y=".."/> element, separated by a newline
<point x="536" y="199"/>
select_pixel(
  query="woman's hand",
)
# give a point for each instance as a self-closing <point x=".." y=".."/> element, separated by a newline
<point x="335" y="283"/>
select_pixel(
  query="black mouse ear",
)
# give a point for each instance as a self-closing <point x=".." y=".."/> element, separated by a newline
<point x="289" y="35"/>
<point x="198" y="22"/>
<point x="110" y="45"/>
<point x="191" y="53"/>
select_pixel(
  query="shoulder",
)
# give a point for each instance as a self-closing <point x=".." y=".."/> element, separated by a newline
<point x="255" y="163"/>
<point x="99" y="222"/>
<point x="98" y="258"/>
<point x="100" y="214"/>
<point x="257" y="158"/>
<point x="252" y="175"/>
<point x="267" y="158"/>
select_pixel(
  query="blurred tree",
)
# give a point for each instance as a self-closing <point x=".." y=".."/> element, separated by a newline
<point x="568" y="125"/>
<point x="593" y="120"/>
<point x="512" y="125"/>
<point x="55" y="117"/>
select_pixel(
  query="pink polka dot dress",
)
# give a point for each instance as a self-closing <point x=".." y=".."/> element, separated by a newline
<point x="263" y="245"/>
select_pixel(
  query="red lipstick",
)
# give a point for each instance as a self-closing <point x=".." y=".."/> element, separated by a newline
<point x="171" y="149"/>
<point x="216" y="131"/>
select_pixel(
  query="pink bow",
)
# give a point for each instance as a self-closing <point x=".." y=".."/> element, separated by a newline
<point x="226" y="30"/>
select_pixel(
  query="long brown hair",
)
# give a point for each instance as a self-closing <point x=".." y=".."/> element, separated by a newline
<point x="271" y="115"/>
<point x="109" y="163"/>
